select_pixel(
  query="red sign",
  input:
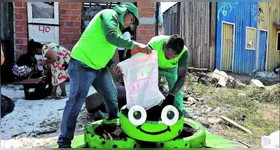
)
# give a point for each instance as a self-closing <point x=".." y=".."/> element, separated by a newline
<point x="44" y="29"/>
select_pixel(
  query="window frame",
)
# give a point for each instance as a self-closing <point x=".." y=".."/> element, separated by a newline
<point x="247" y="48"/>
<point x="277" y="39"/>
<point x="53" y="21"/>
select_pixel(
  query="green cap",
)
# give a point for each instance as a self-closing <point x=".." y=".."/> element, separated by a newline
<point x="130" y="7"/>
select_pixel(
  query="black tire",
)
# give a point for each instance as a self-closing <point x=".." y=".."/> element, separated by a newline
<point x="197" y="140"/>
<point x="93" y="140"/>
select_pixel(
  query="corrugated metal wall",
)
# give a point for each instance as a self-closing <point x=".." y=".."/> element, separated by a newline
<point x="241" y="14"/>
<point x="271" y="14"/>
<point x="197" y="26"/>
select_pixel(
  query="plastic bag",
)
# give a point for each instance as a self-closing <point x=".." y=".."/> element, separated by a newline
<point x="21" y="71"/>
<point x="141" y="80"/>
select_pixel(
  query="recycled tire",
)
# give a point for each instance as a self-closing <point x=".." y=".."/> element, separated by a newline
<point x="197" y="140"/>
<point x="93" y="140"/>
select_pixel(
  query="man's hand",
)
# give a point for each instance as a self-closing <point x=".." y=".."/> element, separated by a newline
<point x="116" y="69"/>
<point x="144" y="48"/>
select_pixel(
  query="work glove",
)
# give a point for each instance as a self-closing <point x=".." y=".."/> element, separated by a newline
<point x="169" y="100"/>
<point x="155" y="112"/>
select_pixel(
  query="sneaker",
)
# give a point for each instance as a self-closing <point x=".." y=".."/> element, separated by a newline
<point x="64" y="146"/>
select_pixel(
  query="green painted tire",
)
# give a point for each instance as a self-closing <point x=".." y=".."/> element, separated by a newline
<point x="197" y="140"/>
<point x="150" y="131"/>
<point x="92" y="140"/>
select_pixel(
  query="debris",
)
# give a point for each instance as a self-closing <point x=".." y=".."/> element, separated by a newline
<point x="190" y="101"/>
<point x="202" y="75"/>
<point x="222" y="82"/>
<point x="185" y="95"/>
<point x="205" y="125"/>
<point x="192" y="69"/>
<point x="46" y="131"/>
<point x="217" y="109"/>
<point x="205" y="78"/>
<point x="257" y="83"/>
<point x="105" y="136"/>
<point x="204" y="81"/>
<point x="231" y="83"/>
<point x="110" y="132"/>
<point x="236" y="124"/>
<point x="242" y="118"/>
<point x="201" y="119"/>
<point x="109" y="135"/>
<point x="221" y="76"/>
<point x="231" y="78"/>
<point x="213" y="120"/>
<point x="218" y="74"/>
<point x="244" y="144"/>
<point x="265" y="74"/>
<point x="271" y="141"/>
<point x="239" y="84"/>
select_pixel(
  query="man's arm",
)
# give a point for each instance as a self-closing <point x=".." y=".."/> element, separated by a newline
<point x="110" y="23"/>
<point x="51" y="58"/>
<point x="151" y="43"/>
<point x="182" y="72"/>
<point x="2" y="57"/>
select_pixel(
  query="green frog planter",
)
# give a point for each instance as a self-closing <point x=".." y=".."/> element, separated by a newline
<point x="163" y="125"/>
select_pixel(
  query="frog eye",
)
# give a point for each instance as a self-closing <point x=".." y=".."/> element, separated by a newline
<point x="169" y="115"/>
<point x="137" y="115"/>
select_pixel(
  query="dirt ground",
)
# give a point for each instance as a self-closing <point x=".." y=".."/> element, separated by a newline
<point x="255" y="109"/>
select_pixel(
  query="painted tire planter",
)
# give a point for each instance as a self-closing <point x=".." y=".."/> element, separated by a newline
<point x="150" y="131"/>
<point x="197" y="140"/>
<point x="93" y="140"/>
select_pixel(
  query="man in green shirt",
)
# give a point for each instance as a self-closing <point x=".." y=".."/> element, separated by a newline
<point x="90" y="59"/>
<point x="172" y="62"/>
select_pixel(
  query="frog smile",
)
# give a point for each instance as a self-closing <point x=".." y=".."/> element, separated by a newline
<point x="153" y="133"/>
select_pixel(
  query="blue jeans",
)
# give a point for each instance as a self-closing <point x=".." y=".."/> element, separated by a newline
<point x="81" y="78"/>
